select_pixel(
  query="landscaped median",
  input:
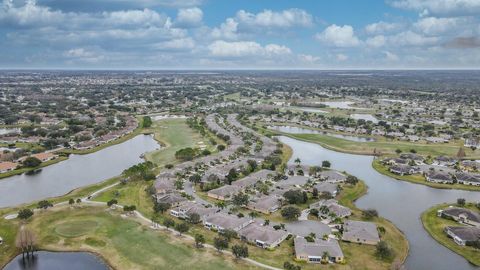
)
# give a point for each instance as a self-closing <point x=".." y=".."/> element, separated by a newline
<point x="435" y="226"/>
<point x="419" y="179"/>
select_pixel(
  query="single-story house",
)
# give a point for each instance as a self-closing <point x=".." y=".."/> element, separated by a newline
<point x="266" y="204"/>
<point x="220" y="222"/>
<point x="402" y="169"/>
<point x="439" y="177"/>
<point x="315" y="252"/>
<point x="262" y="236"/>
<point x="463" y="235"/>
<point x="295" y="180"/>
<point x="224" y="193"/>
<point x="468" y="178"/>
<point x="253" y="178"/>
<point x="333" y="176"/>
<point x="461" y="215"/>
<point x="164" y="185"/>
<point x="173" y="198"/>
<point x="327" y="187"/>
<point x="360" y="232"/>
<point x="186" y="208"/>
<point x="444" y="161"/>
<point x="7" y="166"/>
<point x="333" y="207"/>
<point x="45" y="156"/>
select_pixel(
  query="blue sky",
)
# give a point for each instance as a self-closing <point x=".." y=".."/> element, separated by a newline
<point x="257" y="34"/>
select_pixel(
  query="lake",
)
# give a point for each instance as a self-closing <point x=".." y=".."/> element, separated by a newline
<point x="4" y="131"/>
<point x="299" y="130"/>
<point x="77" y="171"/>
<point x="399" y="201"/>
<point x="45" y="260"/>
<point x="366" y="117"/>
<point x="310" y="109"/>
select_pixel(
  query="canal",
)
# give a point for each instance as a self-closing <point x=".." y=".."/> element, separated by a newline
<point x="78" y="171"/>
<point x="400" y="202"/>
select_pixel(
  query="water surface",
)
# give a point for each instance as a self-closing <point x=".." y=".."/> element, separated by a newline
<point x="299" y="130"/>
<point x="400" y="202"/>
<point x="77" y="171"/>
<point x="44" y="260"/>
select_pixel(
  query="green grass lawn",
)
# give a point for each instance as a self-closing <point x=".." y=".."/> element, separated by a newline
<point x="382" y="145"/>
<point x="174" y="134"/>
<point x="419" y="179"/>
<point x="121" y="241"/>
<point x="435" y="226"/>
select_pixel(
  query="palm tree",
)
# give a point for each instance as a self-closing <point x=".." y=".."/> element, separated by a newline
<point x="325" y="256"/>
<point x="298" y="161"/>
<point x="267" y="222"/>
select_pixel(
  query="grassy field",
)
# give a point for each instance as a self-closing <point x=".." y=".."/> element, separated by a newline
<point x="435" y="225"/>
<point x="382" y="145"/>
<point x="419" y="179"/>
<point x="174" y="134"/>
<point x="122" y="242"/>
<point x="234" y="96"/>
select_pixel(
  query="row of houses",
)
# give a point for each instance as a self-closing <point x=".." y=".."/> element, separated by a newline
<point x="462" y="235"/>
<point x="10" y="166"/>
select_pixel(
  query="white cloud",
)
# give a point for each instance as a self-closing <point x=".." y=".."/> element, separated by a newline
<point x="29" y="14"/>
<point x="227" y="30"/>
<point x="440" y="7"/>
<point x="82" y="55"/>
<point x="176" y="44"/>
<point x="341" y="57"/>
<point x="308" y="59"/>
<point x="381" y="27"/>
<point x="271" y="19"/>
<point x="376" y="41"/>
<point x="389" y="56"/>
<point x="189" y="17"/>
<point x="222" y="48"/>
<point x="410" y="38"/>
<point x="339" y="36"/>
<point x="434" y="26"/>
<point x="144" y="17"/>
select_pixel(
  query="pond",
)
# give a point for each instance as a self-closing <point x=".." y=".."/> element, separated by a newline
<point x="366" y="117"/>
<point x="78" y="171"/>
<point x="4" y="131"/>
<point x="339" y="104"/>
<point x="45" y="260"/>
<point x="398" y="201"/>
<point x="299" y="130"/>
<point x="310" y="109"/>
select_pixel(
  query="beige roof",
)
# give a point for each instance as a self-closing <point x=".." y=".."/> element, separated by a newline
<point x="7" y="166"/>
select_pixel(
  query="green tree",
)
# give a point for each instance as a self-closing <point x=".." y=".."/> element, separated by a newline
<point x="199" y="240"/>
<point x="220" y="243"/>
<point x="161" y="207"/>
<point x="461" y="201"/>
<point x="147" y="121"/>
<point x="229" y="234"/>
<point x="44" y="204"/>
<point x="240" y="251"/>
<point x="194" y="218"/>
<point x="240" y="199"/>
<point x="168" y="222"/>
<point x="112" y="202"/>
<point x="182" y="228"/>
<point x="32" y="162"/>
<point x="383" y="251"/>
<point x="71" y="201"/>
<point x="290" y="213"/>
<point x="25" y="213"/>
<point x="326" y="164"/>
<point x="185" y="154"/>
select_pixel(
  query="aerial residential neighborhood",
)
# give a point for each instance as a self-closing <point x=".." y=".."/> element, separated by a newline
<point x="242" y="135"/>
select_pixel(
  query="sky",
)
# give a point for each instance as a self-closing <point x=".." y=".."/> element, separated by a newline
<point x="247" y="34"/>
